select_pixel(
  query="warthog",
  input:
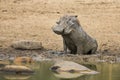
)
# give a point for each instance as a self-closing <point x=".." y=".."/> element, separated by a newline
<point x="75" y="39"/>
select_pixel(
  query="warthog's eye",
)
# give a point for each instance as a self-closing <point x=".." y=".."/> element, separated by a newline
<point x="76" y="16"/>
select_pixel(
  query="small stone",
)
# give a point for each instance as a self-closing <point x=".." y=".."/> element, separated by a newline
<point x="37" y="58"/>
<point x="4" y="10"/>
<point x="20" y="60"/>
<point x="1" y="45"/>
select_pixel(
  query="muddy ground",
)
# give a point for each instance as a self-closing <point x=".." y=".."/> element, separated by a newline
<point x="33" y="19"/>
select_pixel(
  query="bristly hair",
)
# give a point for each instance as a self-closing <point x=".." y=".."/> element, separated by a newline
<point x="68" y="18"/>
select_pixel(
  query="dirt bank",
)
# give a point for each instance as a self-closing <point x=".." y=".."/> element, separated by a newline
<point x="33" y="19"/>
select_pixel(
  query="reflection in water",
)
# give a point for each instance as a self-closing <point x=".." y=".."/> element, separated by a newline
<point x="42" y="72"/>
<point x="67" y="75"/>
<point x="108" y="72"/>
<point x="16" y="77"/>
<point x="90" y="66"/>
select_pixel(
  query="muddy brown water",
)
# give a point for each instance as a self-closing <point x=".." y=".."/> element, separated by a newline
<point x="106" y="71"/>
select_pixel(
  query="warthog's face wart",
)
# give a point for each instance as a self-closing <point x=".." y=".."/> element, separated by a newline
<point x="65" y="25"/>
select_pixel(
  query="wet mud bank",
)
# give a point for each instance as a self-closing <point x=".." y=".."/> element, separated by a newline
<point x="41" y="55"/>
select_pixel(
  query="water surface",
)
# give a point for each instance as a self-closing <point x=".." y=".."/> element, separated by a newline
<point x="43" y="72"/>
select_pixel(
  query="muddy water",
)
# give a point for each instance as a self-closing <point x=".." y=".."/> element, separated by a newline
<point x="42" y="72"/>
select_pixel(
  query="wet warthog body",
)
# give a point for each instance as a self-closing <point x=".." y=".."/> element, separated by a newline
<point x="75" y="38"/>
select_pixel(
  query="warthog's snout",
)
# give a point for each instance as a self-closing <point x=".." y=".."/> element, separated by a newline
<point x="58" y="30"/>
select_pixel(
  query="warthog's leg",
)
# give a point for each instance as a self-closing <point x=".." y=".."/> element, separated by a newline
<point x="80" y="50"/>
<point x="93" y="50"/>
<point x="73" y="52"/>
<point x="64" y="46"/>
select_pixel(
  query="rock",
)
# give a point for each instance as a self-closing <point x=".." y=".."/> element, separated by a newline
<point x="4" y="62"/>
<point x="3" y="57"/>
<point x="38" y="58"/>
<point x="19" y="60"/>
<point x="16" y="69"/>
<point x="72" y="67"/>
<point x="27" y="45"/>
<point x="1" y="45"/>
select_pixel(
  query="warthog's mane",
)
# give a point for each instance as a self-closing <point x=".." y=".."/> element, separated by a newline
<point x="67" y="19"/>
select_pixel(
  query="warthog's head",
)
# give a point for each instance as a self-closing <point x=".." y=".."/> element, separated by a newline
<point x="66" y="25"/>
